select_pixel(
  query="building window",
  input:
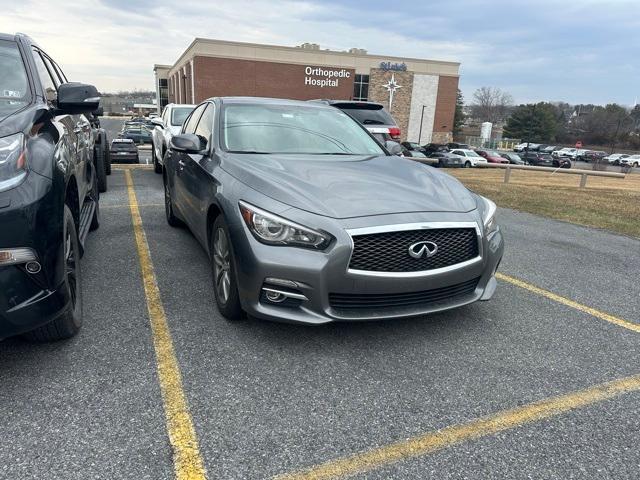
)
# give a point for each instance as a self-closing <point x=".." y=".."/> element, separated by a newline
<point x="163" y="90"/>
<point x="361" y="87"/>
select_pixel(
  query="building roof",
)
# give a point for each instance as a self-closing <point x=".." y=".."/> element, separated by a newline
<point x="356" y="58"/>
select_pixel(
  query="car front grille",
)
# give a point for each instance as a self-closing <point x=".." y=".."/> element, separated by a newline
<point x="389" y="251"/>
<point x="379" y="302"/>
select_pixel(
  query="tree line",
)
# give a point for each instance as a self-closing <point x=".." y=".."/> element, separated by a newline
<point x="612" y="125"/>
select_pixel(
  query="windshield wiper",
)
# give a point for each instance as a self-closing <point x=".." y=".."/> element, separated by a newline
<point x="248" y="151"/>
<point x="334" y="153"/>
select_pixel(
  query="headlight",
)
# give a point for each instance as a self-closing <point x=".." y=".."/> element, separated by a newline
<point x="489" y="216"/>
<point x="13" y="162"/>
<point x="274" y="230"/>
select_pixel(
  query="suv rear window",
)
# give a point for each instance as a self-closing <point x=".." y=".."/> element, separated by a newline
<point x="179" y="115"/>
<point x="14" y="86"/>
<point x="367" y="114"/>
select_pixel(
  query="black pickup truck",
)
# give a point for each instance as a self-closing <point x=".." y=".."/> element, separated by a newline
<point x="49" y="193"/>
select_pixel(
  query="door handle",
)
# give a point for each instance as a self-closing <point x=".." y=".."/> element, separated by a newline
<point x="182" y="164"/>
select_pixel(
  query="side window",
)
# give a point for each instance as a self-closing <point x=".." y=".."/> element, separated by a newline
<point x="458" y="152"/>
<point x="205" y="125"/>
<point x="190" y="124"/>
<point x="48" y="84"/>
<point x="54" y="73"/>
<point x="63" y="77"/>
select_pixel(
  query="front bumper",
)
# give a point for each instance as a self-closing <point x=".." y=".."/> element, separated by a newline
<point x="318" y="275"/>
<point x="24" y="305"/>
<point x="32" y="214"/>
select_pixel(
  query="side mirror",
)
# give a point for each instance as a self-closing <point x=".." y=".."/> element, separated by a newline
<point x="187" y="143"/>
<point x="74" y="98"/>
<point x="157" y="122"/>
<point x="394" y="147"/>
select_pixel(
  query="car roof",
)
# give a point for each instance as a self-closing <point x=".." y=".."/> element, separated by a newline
<point x="333" y="102"/>
<point x="267" y="101"/>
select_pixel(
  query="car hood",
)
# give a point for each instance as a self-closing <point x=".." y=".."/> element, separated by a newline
<point x="359" y="186"/>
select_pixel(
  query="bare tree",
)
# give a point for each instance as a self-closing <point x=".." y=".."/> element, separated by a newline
<point x="491" y="104"/>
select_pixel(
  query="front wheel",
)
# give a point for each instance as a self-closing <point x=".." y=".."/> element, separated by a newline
<point x="467" y="164"/>
<point x="635" y="164"/>
<point x="68" y="324"/>
<point x="154" y="158"/>
<point x="223" y="269"/>
<point x="168" y="207"/>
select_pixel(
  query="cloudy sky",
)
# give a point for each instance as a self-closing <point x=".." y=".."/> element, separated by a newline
<point x="580" y="51"/>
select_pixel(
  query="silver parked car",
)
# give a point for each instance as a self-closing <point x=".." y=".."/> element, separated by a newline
<point x="306" y="218"/>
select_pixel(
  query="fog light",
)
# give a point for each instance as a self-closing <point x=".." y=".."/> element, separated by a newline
<point x="33" y="267"/>
<point x="14" y="256"/>
<point x="275" y="297"/>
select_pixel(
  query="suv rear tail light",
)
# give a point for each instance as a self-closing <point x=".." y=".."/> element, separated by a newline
<point x="394" y="132"/>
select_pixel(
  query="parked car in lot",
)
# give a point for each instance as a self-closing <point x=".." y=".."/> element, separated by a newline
<point x="615" y="158"/>
<point x="137" y="133"/>
<point x="470" y="158"/>
<point x="513" y="158"/>
<point x="592" y="156"/>
<point x="491" y="156"/>
<point x="49" y="198"/>
<point x="522" y="147"/>
<point x="566" y="152"/>
<point x="456" y="145"/>
<point x="413" y="147"/>
<point x="631" y="160"/>
<point x="373" y="116"/>
<point x="547" y="149"/>
<point x="448" y="160"/>
<point x="538" y="159"/>
<point x="124" y="150"/>
<point x="306" y="219"/>
<point x="169" y="124"/>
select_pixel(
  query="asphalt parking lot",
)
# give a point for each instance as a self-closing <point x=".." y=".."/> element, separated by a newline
<point x="158" y="385"/>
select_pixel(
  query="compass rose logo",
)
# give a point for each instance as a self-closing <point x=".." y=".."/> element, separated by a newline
<point x="391" y="87"/>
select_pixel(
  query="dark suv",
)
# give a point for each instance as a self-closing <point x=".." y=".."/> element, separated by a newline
<point x="48" y="191"/>
<point x="372" y="116"/>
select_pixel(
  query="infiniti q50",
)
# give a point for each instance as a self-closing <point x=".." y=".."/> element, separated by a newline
<point x="307" y="218"/>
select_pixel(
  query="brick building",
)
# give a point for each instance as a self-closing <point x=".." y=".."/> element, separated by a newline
<point x="422" y="92"/>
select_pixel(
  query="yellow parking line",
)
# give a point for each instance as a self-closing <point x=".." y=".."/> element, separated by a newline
<point x="132" y="166"/>
<point x="126" y="205"/>
<point x="635" y="327"/>
<point x="187" y="461"/>
<point x="431" y="442"/>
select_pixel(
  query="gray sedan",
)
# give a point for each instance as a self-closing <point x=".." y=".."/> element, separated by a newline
<point x="307" y="218"/>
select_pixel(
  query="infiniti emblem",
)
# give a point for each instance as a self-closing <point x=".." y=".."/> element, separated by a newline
<point x="420" y="249"/>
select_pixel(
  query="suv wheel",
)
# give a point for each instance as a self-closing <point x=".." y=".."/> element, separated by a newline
<point x="223" y="269"/>
<point x="154" y="158"/>
<point x="101" y="170"/>
<point x="168" y="206"/>
<point x="69" y="323"/>
<point x="467" y="164"/>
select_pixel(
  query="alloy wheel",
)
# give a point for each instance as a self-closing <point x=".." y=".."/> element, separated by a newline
<point x="70" y="269"/>
<point x="222" y="265"/>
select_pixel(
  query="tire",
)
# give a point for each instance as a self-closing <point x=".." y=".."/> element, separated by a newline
<point x="107" y="158"/>
<point x="69" y="322"/>
<point x="101" y="172"/>
<point x="168" y="207"/>
<point x="467" y="164"/>
<point x="223" y="269"/>
<point x="95" y="220"/>
<point x="635" y="164"/>
<point x="137" y="160"/>
<point x="156" y="165"/>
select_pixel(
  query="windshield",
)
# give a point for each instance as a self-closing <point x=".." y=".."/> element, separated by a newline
<point x="493" y="153"/>
<point x="368" y="116"/>
<point x="14" y="86"/>
<point x="294" y="129"/>
<point x="473" y="154"/>
<point x="179" y="115"/>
